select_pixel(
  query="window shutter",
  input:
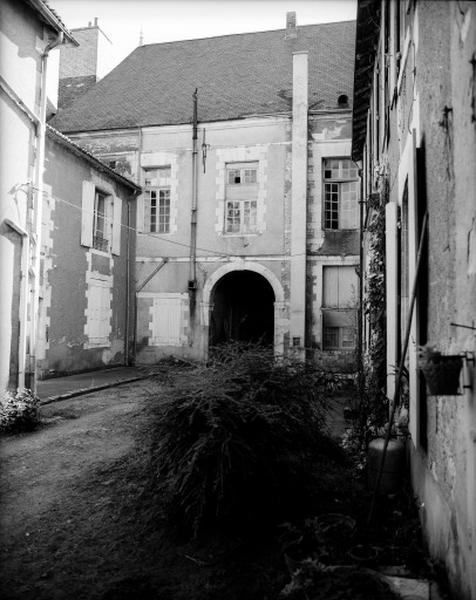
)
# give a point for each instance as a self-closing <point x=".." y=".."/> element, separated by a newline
<point x="167" y="321"/>
<point x="116" y="225"/>
<point x="331" y="286"/>
<point x="140" y="213"/>
<point x="87" y="213"/>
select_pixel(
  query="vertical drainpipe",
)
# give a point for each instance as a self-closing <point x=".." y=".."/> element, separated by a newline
<point x="128" y="284"/>
<point x="360" y="310"/>
<point x="192" y="279"/>
<point x="31" y="375"/>
<point x="137" y="228"/>
<point x="298" y="201"/>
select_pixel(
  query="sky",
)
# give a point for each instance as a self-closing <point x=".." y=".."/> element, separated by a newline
<point x="170" y="20"/>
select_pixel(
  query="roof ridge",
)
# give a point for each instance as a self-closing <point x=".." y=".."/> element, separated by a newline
<point x="215" y="37"/>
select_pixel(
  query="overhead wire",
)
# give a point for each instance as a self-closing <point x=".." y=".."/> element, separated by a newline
<point x="153" y="235"/>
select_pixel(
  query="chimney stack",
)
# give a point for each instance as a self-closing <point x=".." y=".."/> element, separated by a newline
<point x="81" y="67"/>
<point x="291" y="27"/>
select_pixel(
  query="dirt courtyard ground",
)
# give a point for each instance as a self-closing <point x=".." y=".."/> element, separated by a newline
<point x="78" y="519"/>
<point x="69" y="507"/>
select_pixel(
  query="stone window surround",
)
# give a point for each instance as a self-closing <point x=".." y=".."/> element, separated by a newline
<point x="94" y="277"/>
<point x="183" y="298"/>
<point x="241" y="154"/>
<point x="156" y="160"/>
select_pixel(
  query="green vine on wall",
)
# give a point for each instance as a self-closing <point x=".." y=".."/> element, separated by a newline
<point x="375" y="402"/>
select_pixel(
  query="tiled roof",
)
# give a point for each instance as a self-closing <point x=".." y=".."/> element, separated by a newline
<point x="368" y="31"/>
<point x="236" y="76"/>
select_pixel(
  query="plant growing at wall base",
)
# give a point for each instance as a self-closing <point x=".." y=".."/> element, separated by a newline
<point x="19" y="411"/>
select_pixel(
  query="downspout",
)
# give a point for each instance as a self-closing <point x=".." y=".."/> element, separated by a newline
<point x="38" y="213"/>
<point x="128" y="286"/>
<point x="360" y="312"/>
<point x="192" y="279"/>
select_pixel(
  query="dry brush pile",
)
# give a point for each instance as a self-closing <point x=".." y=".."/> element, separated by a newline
<point x="237" y="440"/>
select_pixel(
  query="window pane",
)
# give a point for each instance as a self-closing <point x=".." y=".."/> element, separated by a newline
<point x="233" y="217"/>
<point x="234" y="176"/>
<point x="347" y="337"/>
<point x="342" y="168"/>
<point x="249" y="217"/>
<point x="100" y="231"/>
<point x="151" y="199"/>
<point x="250" y="176"/>
<point x="331" y="206"/>
<point x="164" y="211"/>
<point x="331" y="338"/>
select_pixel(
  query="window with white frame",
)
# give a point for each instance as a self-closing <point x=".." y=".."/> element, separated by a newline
<point x="241" y="198"/>
<point x="101" y="218"/>
<point x="339" y="289"/>
<point x="157" y="200"/>
<point x="98" y="321"/>
<point x="341" y="193"/>
<point x="102" y="221"/>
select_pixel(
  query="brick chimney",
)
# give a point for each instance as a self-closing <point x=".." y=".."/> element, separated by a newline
<point x="291" y="27"/>
<point x="80" y="67"/>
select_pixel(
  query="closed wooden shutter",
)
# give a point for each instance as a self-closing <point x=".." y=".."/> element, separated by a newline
<point x="340" y="287"/>
<point x="98" y="323"/>
<point x="167" y="321"/>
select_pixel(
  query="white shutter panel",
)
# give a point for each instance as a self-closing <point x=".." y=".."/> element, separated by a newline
<point x="87" y="213"/>
<point x="140" y="212"/>
<point x="347" y="287"/>
<point x="167" y="321"/>
<point x="331" y="286"/>
<point x="116" y="225"/>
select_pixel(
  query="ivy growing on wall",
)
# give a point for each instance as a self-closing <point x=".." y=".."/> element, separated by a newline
<point x="374" y="406"/>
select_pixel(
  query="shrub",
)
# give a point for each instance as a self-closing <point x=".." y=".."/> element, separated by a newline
<point x="236" y="440"/>
<point x="19" y="411"/>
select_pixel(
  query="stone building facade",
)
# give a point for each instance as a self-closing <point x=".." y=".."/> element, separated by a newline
<point x="86" y="302"/>
<point x="247" y="227"/>
<point x="29" y="31"/>
<point x="414" y="131"/>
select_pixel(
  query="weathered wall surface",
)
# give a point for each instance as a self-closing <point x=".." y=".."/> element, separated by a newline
<point x="267" y="142"/>
<point x="21" y="42"/>
<point x="68" y="267"/>
<point x="444" y="472"/>
<point x="431" y="146"/>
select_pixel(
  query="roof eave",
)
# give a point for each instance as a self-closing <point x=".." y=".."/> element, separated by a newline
<point x="367" y="34"/>
<point x="52" y="19"/>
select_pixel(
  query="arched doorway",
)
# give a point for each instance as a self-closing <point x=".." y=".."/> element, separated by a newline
<point x="243" y="309"/>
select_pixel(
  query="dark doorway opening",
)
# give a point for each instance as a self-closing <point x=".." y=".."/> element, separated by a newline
<point x="243" y="309"/>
